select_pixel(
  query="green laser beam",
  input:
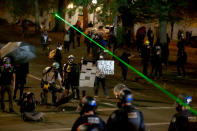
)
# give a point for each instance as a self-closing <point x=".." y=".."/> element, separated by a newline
<point x="132" y="68"/>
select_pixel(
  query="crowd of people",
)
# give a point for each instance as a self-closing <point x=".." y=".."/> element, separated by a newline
<point x="59" y="78"/>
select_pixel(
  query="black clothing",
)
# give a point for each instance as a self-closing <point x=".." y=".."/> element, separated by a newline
<point x="6" y="76"/>
<point x="88" y="43"/>
<point x="150" y="37"/>
<point x="71" y="32"/>
<point x="71" y="77"/>
<point x="145" y="54"/>
<point x="21" y="74"/>
<point x="8" y="89"/>
<point x="44" y="41"/>
<point x="67" y="45"/>
<point x="181" y="61"/>
<point x="180" y="44"/>
<point x="157" y="60"/>
<point x="124" y="57"/>
<point x="122" y="120"/>
<point x="183" y="121"/>
<point x="58" y="58"/>
<point x="78" y="35"/>
<point x="91" y="122"/>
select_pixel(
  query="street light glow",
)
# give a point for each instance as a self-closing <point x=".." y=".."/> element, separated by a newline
<point x="70" y="6"/>
<point x="132" y="68"/>
<point x="94" y="1"/>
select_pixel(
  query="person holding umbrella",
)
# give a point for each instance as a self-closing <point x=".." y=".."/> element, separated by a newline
<point x="21" y="71"/>
<point x="7" y="78"/>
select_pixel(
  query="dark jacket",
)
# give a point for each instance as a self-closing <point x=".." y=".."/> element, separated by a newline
<point x="91" y="122"/>
<point x="6" y="75"/>
<point x="183" y="121"/>
<point x="122" y="120"/>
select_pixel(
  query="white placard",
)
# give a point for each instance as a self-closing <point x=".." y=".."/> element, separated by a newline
<point x="106" y="66"/>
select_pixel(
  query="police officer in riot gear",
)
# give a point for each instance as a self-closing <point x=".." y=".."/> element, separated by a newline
<point x="184" y="120"/>
<point x="88" y="121"/>
<point x="126" y="118"/>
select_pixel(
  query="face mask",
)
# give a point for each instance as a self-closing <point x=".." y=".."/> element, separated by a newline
<point x="60" y="48"/>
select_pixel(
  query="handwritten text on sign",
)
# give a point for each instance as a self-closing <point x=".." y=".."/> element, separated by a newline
<point x="106" y="66"/>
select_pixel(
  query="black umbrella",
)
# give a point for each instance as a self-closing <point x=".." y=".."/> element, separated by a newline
<point x="21" y="52"/>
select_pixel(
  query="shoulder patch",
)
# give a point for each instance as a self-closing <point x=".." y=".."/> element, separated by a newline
<point x="93" y="120"/>
<point x="192" y="119"/>
<point x="132" y="115"/>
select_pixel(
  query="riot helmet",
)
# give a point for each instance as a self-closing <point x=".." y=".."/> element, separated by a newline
<point x="56" y="65"/>
<point x="71" y="58"/>
<point x="124" y="95"/>
<point x="87" y="104"/>
<point x="186" y="99"/>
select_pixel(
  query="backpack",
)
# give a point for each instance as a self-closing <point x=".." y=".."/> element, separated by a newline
<point x="52" y="54"/>
<point x="24" y="105"/>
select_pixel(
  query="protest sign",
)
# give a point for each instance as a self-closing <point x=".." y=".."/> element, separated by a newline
<point x="106" y="66"/>
<point x="87" y="75"/>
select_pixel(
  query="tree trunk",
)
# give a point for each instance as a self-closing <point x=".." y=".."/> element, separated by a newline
<point x="59" y="24"/>
<point x="128" y="28"/>
<point x="36" y="16"/>
<point x="85" y="18"/>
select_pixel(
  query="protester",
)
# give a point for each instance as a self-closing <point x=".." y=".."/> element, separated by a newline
<point x="44" y="40"/>
<point x="125" y="57"/>
<point x="181" y="61"/>
<point x="165" y="52"/>
<point x="126" y="118"/>
<point x="7" y="79"/>
<point x="112" y="40"/>
<point x="67" y="41"/>
<point x="51" y="76"/>
<point x="21" y="71"/>
<point x="95" y="48"/>
<point x="88" y="42"/>
<point x="28" y="108"/>
<point x="88" y="121"/>
<point x="157" y="60"/>
<point x="145" y="54"/>
<point x="100" y="78"/>
<point x="71" y="32"/>
<point x="150" y="36"/>
<point x="71" y="76"/>
<point x="78" y="34"/>
<point x="184" y="119"/>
